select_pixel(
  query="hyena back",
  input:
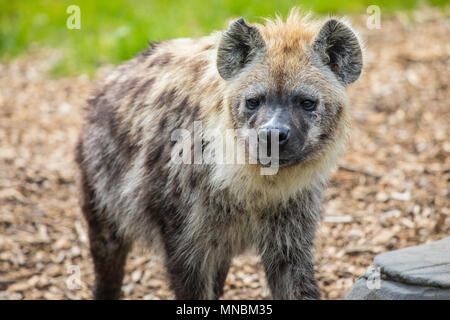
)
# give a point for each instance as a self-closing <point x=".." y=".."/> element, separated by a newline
<point x="286" y="78"/>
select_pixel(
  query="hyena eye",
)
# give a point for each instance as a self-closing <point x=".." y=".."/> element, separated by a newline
<point x="308" y="105"/>
<point x="253" y="103"/>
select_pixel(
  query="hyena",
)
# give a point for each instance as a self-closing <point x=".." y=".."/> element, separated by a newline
<point x="285" y="78"/>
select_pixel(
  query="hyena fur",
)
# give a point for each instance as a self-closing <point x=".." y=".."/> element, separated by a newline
<point x="202" y="215"/>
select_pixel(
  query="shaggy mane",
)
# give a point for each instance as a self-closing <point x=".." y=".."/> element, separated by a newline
<point x="289" y="35"/>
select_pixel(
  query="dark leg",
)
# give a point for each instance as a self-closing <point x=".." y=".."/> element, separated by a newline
<point x="108" y="250"/>
<point x="291" y="279"/>
<point x="221" y="276"/>
<point x="109" y="254"/>
<point x="286" y="251"/>
<point x="196" y="275"/>
<point x="188" y="283"/>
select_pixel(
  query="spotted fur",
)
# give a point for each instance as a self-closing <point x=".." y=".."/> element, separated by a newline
<point x="202" y="215"/>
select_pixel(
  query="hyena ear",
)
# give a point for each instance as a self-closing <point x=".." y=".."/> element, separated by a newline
<point x="238" y="46"/>
<point x="339" y="49"/>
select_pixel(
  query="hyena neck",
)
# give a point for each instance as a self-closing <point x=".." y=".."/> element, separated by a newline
<point x="244" y="182"/>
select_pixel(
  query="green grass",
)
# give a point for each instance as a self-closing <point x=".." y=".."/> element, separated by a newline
<point x="115" y="30"/>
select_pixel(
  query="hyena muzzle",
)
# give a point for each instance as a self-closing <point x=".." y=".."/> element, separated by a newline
<point x="285" y="79"/>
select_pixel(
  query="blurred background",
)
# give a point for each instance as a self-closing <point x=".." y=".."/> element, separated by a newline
<point x="113" y="31"/>
<point x="391" y="189"/>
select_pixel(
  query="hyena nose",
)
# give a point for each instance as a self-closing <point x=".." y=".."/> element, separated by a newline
<point x="266" y="133"/>
<point x="284" y="135"/>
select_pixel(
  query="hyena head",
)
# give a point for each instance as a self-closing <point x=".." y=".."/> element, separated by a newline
<point x="288" y="79"/>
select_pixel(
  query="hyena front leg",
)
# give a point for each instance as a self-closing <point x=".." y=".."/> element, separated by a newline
<point x="220" y="277"/>
<point x="286" y="251"/>
<point x="108" y="249"/>
<point x="291" y="279"/>
<point x="195" y="274"/>
<point x="109" y="252"/>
